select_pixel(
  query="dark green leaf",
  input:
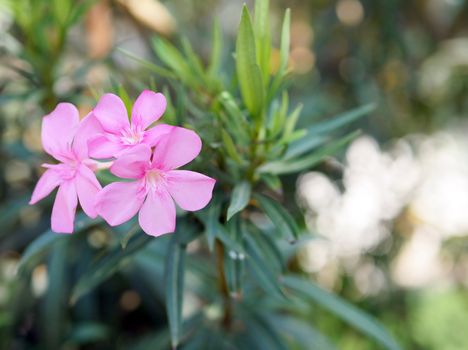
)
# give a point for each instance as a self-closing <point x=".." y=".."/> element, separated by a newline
<point x="248" y="71"/>
<point x="341" y="120"/>
<point x="349" y="313"/>
<point x="239" y="199"/>
<point x="283" y="221"/>
<point x="108" y="265"/>
<point x="288" y="166"/>
<point x="266" y="277"/>
<point x="174" y="280"/>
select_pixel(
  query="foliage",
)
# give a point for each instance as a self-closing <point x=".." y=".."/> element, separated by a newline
<point x="226" y="275"/>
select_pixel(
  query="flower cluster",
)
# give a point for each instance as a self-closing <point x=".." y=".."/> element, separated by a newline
<point x="145" y="157"/>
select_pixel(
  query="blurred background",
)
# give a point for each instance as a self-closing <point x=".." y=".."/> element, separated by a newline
<point x="389" y="215"/>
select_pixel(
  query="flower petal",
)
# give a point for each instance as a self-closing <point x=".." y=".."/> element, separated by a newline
<point x="111" y="113"/>
<point x="89" y="127"/>
<point x="153" y="135"/>
<point x="119" y="201"/>
<point x="177" y="148"/>
<point x="104" y="146"/>
<point x="191" y="190"/>
<point x="148" y="108"/>
<point x="46" y="184"/>
<point x="132" y="163"/>
<point x="63" y="212"/>
<point x="87" y="188"/>
<point x="158" y="215"/>
<point x="58" y="130"/>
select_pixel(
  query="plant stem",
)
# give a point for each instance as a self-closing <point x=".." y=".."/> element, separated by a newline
<point x="227" y="316"/>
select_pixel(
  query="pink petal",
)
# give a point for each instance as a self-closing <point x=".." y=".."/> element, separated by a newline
<point x="89" y="127"/>
<point x="119" y="201"/>
<point x="46" y="184"/>
<point x="111" y="113"/>
<point x="191" y="191"/>
<point x="148" y="108"/>
<point x="104" y="146"/>
<point x="63" y="212"/>
<point x="177" y="148"/>
<point x="132" y="163"/>
<point x="158" y="215"/>
<point x="153" y="136"/>
<point x="87" y="188"/>
<point x="58" y="130"/>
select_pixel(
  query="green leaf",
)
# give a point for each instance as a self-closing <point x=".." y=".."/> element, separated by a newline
<point x="262" y="333"/>
<point x="341" y="120"/>
<point x="88" y="332"/>
<point x="349" y="313"/>
<point x="234" y="120"/>
<point x="230" y="147"/>
<point x="304" y="145"/>
<point x="174" y="280"/>
<point x="262" y="37"/>
<point x="148" y="65"/>
<point x="233" y="270"/>
<point x="284" y="55"/>
<point x="108" y="265"/>
<point x="172" y="57"/>
<point x="224" y="236"/>
<point x="210" y="218"/>
<point x="285" y="42"/>
<point x="302" y="334"/>
<point x="248" y="71"/>
<point x="53" y="308"/>
<point x="288" y="166"/>
<point x="216" y="49"/>
<point x="266" y="277"/>
<point x="240" y="198"/>
<point x="282" y="220"/>
<point x="38" y="249"/>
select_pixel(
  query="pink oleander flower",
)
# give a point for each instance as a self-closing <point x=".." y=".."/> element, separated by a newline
<point x="65" y="139"/>
<point x="156" y="184"/>
<point x="118" y="134"/>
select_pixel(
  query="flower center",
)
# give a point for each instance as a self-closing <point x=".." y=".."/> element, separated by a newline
<point x="132" y="136"/>
<point x="154" y="179"/>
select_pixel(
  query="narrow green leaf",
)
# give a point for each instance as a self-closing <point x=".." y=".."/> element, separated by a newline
<point x="224" y="236"/>
<point x="262" y="37"/>
<point x="108" y="265"/>
<point x="341" y="119"/>
<point x="233" y="269"/>
<point x="172" y="57"/>
<point x="210" y="218"/>
<point x="288" y="166"/>
<point x="216" y="49"/>
<point x="267" y="278"/>
<point x="285" y="42"/>
<point x="230" y="147"/>
<point x="234" y="120"/>
<point x="262" y="333"/>
<point x="39" y="248"/>
<point x="284" y="56"/>
<point x="148" y="65"/>
<point x="349" y="313"/>
<point x="283" y="221"/>
<point x="174" y="280"/>
<point x="248" y="71"/>
<point x="125" y="99"/>
<point x="240" y="198"/>
<point x="304" y="145"/>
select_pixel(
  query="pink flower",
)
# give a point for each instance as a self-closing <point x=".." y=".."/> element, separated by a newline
<point x="117" y="133"/>
<point x="65" y="139"/>
<point x="157" y="185"/>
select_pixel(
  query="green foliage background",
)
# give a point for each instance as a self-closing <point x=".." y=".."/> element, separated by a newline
<point x="229" y="276"/>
